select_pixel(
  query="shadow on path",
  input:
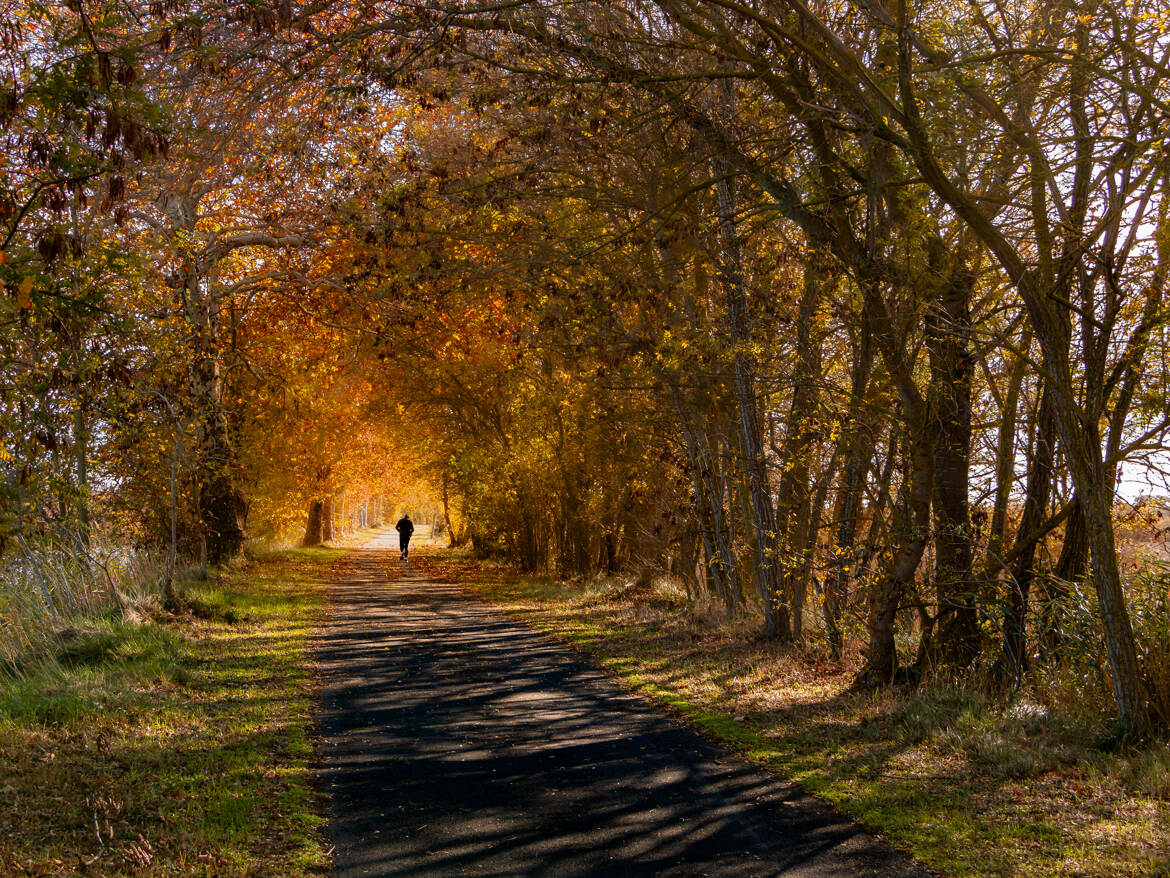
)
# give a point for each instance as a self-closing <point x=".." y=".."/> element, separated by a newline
<point x="459" y="742"/>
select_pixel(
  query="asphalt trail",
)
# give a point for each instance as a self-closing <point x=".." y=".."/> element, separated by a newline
<point x="460" y="742"/>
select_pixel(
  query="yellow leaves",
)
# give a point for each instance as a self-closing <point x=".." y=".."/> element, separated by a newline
<point x="24" y="293"/>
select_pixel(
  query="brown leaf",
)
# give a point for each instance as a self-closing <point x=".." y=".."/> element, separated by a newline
<point x="23" y="293"/>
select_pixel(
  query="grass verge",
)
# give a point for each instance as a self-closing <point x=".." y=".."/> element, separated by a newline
<point x="176" y="748"/>
<point x="967" y="786"/>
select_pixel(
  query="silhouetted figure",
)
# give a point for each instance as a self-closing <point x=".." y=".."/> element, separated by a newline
<point x="405" y="528"/>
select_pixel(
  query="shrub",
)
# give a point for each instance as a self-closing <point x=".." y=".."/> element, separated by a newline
<point x="1149" y="601"/>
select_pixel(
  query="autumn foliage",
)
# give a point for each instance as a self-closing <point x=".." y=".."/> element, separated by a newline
<point x="848" y="318"/>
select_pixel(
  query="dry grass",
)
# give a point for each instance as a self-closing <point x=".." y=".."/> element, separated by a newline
<point x="970" y="787"/>
<point x="48" y="591"/>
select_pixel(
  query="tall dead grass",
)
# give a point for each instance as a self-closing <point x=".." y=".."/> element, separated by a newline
<point x="50" y="591"/>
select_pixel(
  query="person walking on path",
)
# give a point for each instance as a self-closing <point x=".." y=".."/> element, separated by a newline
<point x="405" y="528"/>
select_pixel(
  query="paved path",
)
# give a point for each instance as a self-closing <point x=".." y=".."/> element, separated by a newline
<point x="460" y="742"/>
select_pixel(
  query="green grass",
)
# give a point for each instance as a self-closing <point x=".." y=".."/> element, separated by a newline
<point x="968" y="786"/>
<point x="180" y="747"/>
<point x="97" y="669"/>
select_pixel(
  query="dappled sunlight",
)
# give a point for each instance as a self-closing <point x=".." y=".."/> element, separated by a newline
<point x="943" y="768"/>
<point x="460" y="741"/>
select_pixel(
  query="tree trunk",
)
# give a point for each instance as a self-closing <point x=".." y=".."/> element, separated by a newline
<point x="222" y="510"/>
<point x="948" y="329"/>
<point x="1005" y="461"/>
<point x="1013" y="659"/>
<point x="609" y="549"/>
<point x="848" y="509"/>
<point x="221" y="503"/>
<point x="777" y="622"/>
<point x="1132" y="711"/>
<point x="81" y="455"/>
<point x="793" y="494"/>
<point x="452" y="538"/>
<point x="911" y="534"/>
<point x="722" y="521"/>
<point x="1079" y="432"/>
<point x="327" y="519"/>
<point x="709" y="509"/>
<point x="1070" y="567"/>
<point x="313" y="526"/>
<point x="1080" y="438"/>
<point x="858" y="446"/>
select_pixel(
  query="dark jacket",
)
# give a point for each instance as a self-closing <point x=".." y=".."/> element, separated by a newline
<point x="405" y="526"/>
